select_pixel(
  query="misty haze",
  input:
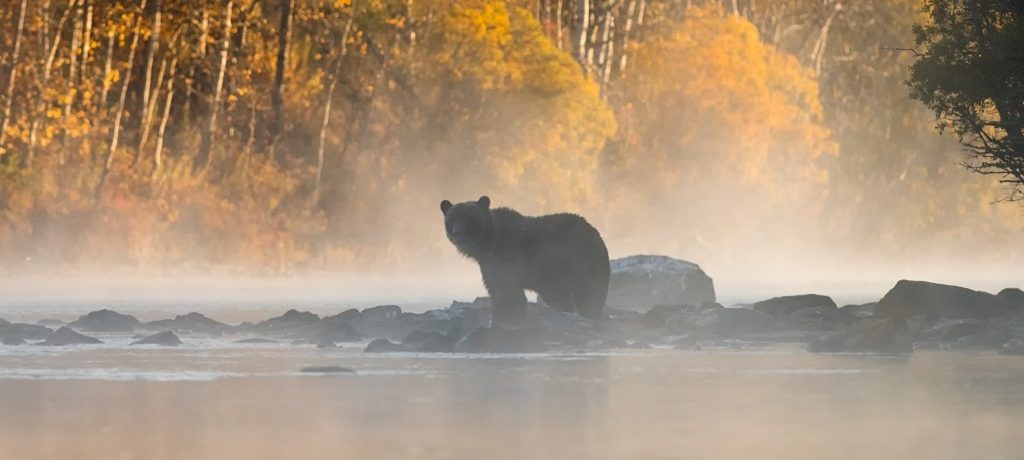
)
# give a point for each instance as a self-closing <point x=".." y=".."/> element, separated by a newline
<point x="511" y="229"/>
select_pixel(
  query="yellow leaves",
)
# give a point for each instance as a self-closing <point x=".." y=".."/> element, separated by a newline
<point x="710" y="97"/>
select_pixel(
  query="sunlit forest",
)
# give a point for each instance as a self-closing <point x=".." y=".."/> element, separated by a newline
<point x="290" y="135"/>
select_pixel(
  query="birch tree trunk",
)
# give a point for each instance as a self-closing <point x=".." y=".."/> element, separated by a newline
<point x="206" y="144"/>
<point x="581" y="33"/>
<point x="119" y="111"/>
<point x="12" y="77"/>
<point x="158" y="158"/>
<point x="277" y="94"/>
<point x="33" y="131"/>
<point x="151" y="49"/>
<point x="329" y="99"/>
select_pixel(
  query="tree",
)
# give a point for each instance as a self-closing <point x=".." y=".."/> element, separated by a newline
<point x="971" y="74"/>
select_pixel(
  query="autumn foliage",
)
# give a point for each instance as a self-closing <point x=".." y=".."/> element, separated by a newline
<point x="283" y="135"/>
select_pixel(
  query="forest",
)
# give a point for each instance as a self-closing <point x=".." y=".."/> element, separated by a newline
<point x="278" y="136"/>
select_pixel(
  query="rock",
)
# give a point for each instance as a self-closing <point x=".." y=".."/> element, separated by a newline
<point x="431" y="342"/>
<point x="643" y="281"/>
<point x="4" y="322"/>
<point x="864" y="310"/>
<point x="192" y="322"/>
<point x="787" y="305"/>
<point x="871" y="335"/>
<point x="383" y="346"/>
<point x="67" y="336"/>
<point x="326" y="345"/>
<point x="327" y="370"/>
<point x="289" y="321"/>
<point x="725" y="323"/>
<point x="255" y="340"/>
<point x="500" y="340"/>
<point x="1013" y="347"/>
<point x="25" y="331"/>
<point x="911" y="298"/>
<point x="106" y="321"/>
<point x="12" y="340"/>
<point x="1013" y="297"/>
<point x="391" y="323"/>
<point x="164" y="339"/>
<point x="50" y="322"/>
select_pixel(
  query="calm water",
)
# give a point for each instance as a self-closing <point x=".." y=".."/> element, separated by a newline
<point x="213" y="399"/>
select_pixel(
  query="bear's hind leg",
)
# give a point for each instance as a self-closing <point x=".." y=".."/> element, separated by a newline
<point x="590" y="298"/>
<point x="559" y="299"/>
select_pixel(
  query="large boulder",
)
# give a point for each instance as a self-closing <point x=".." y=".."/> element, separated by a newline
<point x="913" y="298"/>
<point x="106" y="321"/>
<point x="807" y="312"/>
<point x="192" y="322"/>
<point x="163" y="339"/>
<point x="1013" y="297"/>
<point x="67" y="336"/>
<point x="871" y="335"/>
<point x="643" y="281"/>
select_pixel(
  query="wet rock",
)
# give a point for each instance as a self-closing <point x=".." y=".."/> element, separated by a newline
<point x="255" y="340"/>
<point x="67" y="336"/>
<point x="911" y="298"/>
<point x="865" y="310"/>
<point x="50" y="322"/>
<point x="163" y="339"/>
<point x="4" y="322"/>
<point x="327" y="370"/>
<point x="289" y="321"/>
<point x="871" y="335"/>
<point x="1013" y="297"/>
<point x="431" y="342"/>
<point x="724" y="323"/>
<point x="643" y="281"/>
<point x="191" y="322"/>
<point x="391" y="323"/>
<point x="25" y="331"/>
<point x="106" y="321"/>
<point x="500" y="340"/>
<point x="12" y="340"/>
<point x="383" y="346"/>
<point x="1013" y="347"/>
<point x="788" y="305"/>
<point x="326" y="345"/>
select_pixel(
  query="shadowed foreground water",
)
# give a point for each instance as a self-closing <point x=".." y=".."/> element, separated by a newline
<point x="215" y="400"/>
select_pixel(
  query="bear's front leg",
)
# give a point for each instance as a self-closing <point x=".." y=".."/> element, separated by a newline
<point x="508" y="299"/>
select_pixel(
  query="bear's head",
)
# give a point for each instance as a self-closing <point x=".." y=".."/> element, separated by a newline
<point x="469" y="225"/>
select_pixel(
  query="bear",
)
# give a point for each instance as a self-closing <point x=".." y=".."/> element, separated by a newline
<point x="561" y="257"/>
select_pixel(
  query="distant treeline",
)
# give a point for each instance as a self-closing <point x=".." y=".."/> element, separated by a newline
<point x="289" y="134"/>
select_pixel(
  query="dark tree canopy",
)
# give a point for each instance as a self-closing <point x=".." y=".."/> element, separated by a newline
<point x="972" y="75"/>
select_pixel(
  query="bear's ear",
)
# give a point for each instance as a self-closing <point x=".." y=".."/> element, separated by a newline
<point x="484" y="202"/>
<point x="445" y="206"/>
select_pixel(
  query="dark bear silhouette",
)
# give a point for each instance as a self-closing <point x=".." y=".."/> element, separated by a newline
<point x="561" y="257"/>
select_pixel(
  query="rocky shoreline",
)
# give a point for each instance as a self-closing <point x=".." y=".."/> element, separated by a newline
<point x="912" y="315"/>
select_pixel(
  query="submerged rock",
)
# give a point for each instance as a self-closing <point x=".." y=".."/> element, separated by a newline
<point x="164" y="339"/>
<point x="383" y="346"/>
<point x="192" y="322"/>
<point x="67" y="336"/>
<point x="872" y="335"/>
<point x="912" y="298"/>
<point x="255" y="340"/>
<point x="327" y="370"/>
<point x="642" y="281"/>
<point x="326" y="345"/>
<point x="106" y="321"/>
